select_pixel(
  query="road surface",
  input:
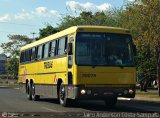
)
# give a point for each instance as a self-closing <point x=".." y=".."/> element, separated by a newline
<point x="13" y="100"/>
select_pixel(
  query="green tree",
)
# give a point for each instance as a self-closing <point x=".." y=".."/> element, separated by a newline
<point x="48" y="30"/>
<point x="108" y="18"/>
<point x="143" y="19"/>
<point x="12" y="67"/>
<point x="12" y="49"/>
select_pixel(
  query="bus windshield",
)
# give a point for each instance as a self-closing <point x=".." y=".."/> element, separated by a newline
<point x="104" y="49"/>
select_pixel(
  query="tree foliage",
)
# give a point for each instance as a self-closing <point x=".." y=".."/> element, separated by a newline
<point x="143" y="19"/>
<point x="12" y="67"/>
<point x="48" y="30"/>
<point x="12" y="49"/>
<point x="88" y="18"/>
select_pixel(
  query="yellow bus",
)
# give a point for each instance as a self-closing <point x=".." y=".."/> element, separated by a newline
<point x="81" y="62"/>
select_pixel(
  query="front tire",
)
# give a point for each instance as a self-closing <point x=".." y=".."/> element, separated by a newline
<point x="62" y="96"/>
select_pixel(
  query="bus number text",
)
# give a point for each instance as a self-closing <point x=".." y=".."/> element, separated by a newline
<point x="48" y="64"/>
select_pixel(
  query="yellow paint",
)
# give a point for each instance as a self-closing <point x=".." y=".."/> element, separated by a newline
<point x="104" y="75"/>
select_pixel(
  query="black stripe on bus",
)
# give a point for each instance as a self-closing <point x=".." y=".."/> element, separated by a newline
<point x="44" y="73"/>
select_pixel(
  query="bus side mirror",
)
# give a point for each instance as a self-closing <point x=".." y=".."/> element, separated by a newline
<point x="134" y="50"/>
<point x="69" y="49"/>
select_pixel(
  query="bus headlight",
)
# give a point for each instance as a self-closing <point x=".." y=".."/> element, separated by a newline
<point x="83" y="91"/>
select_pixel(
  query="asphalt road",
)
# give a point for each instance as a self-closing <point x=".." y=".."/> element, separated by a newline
<point x="14" y="100"/>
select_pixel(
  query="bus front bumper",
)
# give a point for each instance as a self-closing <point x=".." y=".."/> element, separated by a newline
<point x="82" y="92"/>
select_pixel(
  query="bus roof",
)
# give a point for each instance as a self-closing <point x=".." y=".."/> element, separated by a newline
<point x="74" y="29"/>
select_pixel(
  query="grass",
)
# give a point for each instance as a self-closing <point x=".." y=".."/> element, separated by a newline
<point x="149" y="95"/>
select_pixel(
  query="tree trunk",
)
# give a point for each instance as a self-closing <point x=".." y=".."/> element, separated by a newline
<point x="158" y="65"/>
<point x="141" y="85"/>
<point x="144" y="84"/>
<point x="158" y="76"/>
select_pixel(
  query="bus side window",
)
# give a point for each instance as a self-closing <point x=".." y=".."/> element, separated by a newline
<point x="46" y="49"/>
<point x="56" y="47"/>
<point x="27" y="56"/>
<point x="33" y="54"/>
<point x="24" y="60"/>
<point x="52" y="47"/>
<point x="49" y="50"/>
<point x="43" y="50"/>
<point x="39" y="52"/>
<point x="22" y="57"/>
<point x="36" y="53"/>
<point x="62" y="46"/>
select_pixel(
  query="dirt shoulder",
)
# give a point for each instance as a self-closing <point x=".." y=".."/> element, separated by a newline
<point x="8" y="83"/>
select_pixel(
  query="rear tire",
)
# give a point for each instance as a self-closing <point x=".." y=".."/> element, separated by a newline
<point x="62" y="96"/>
<point x="34" y="96"/>
<point x="29" y="91"/>
<point x="111" y="101"/>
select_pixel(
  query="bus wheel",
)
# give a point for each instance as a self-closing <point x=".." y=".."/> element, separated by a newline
<point x="34" y="96"/>
<point x="111" y="101"/>
<point x="62" y="96"/>
<point x="29" y="91"/>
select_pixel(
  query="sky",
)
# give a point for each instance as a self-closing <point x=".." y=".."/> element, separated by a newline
<point x="27" y="16"/>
